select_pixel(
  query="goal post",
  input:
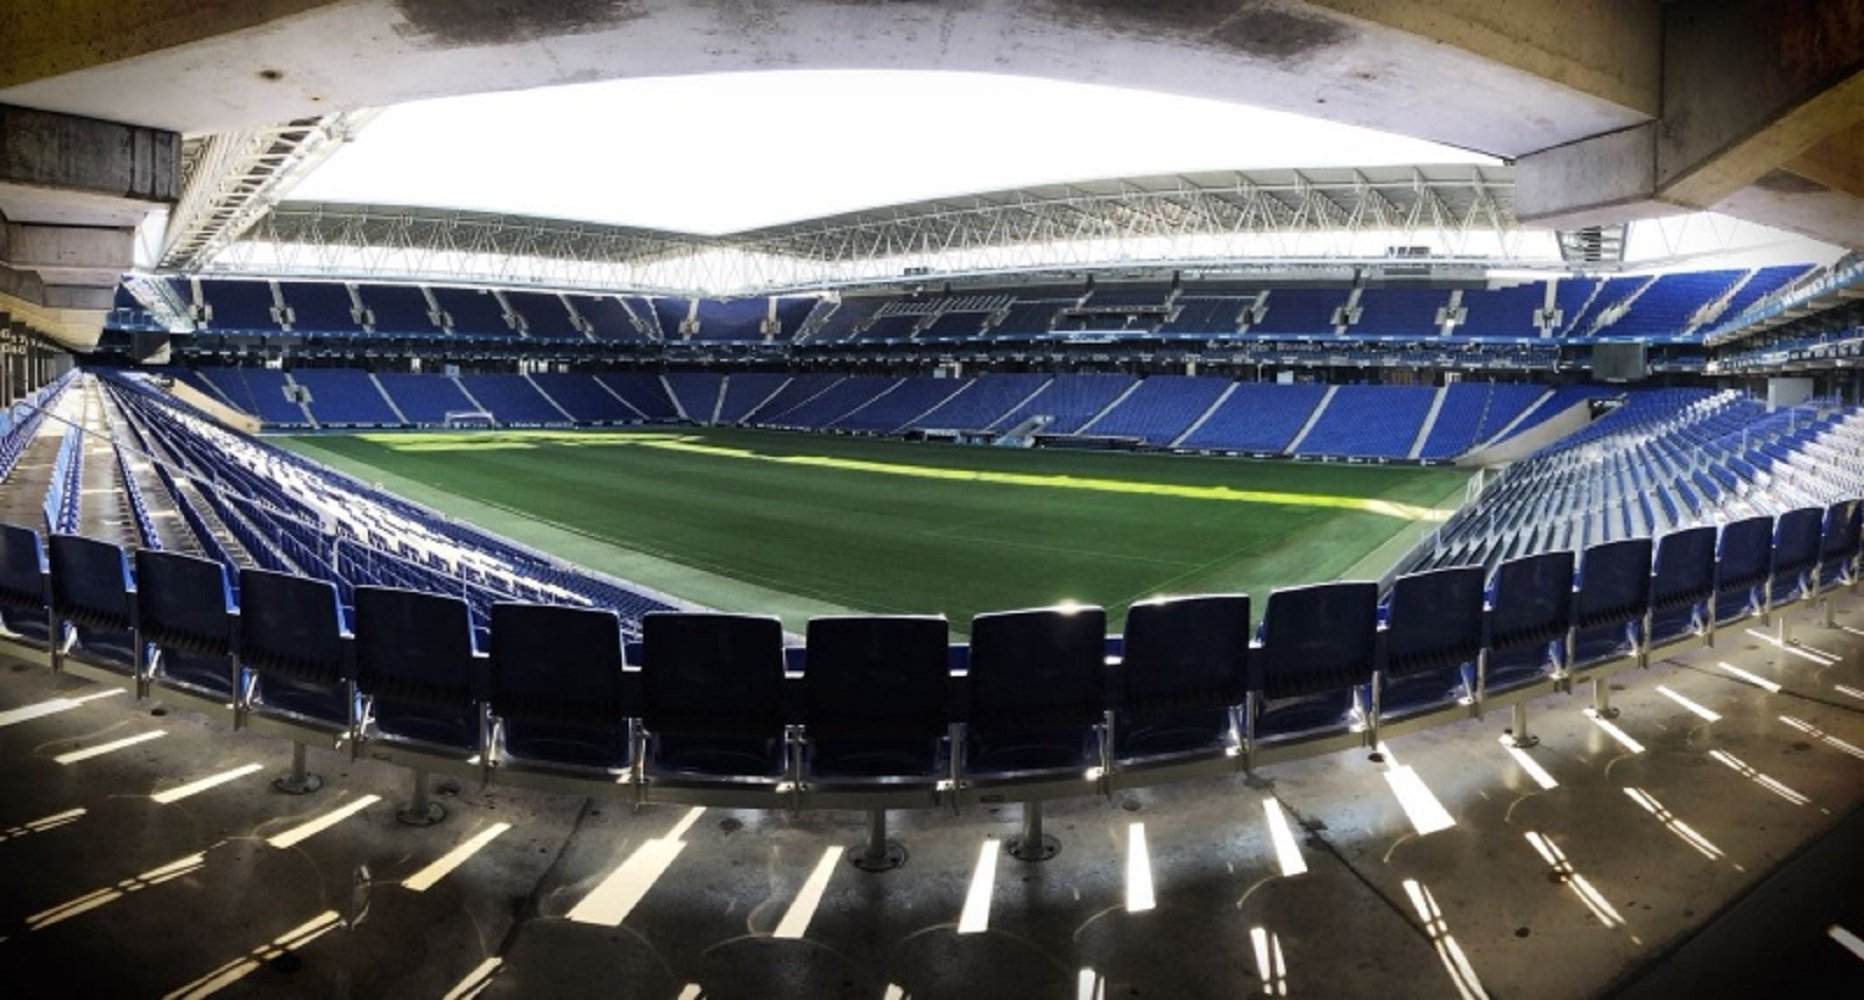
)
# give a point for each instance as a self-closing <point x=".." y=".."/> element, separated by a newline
<point x="468" y="419"/>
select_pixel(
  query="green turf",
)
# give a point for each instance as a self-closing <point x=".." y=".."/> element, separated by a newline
<point x="803" y="524"/>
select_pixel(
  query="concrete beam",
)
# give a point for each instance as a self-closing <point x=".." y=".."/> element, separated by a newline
<point x="24" y="299"/>
<point x="1764" y="100"/>
<point x="68" y="254"/>
<point x="67" y="153"/>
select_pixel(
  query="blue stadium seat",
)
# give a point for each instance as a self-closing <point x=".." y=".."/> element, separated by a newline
<point x="556" y="688"/>
<point x="1181" y="674"/>
<point x="1530" y="611"/>
<point x="415" y="669"/>
<point x="294" y="649"/>
<point x="25" y="590"/>
<point x="1610" y="606"/>
<point x="92" y="595"/>
<point x="1742" y="557"/>
<point x="1681" y="584"/>
<point x="185" y="612"/>
<point x="712" y="696"/>
<point x="1038" y="693"/>
<point x="1317" y="648"/>
<point x="1796" y="538"/>
<point x="877" y="699"/>
<point x="1433" y="640"/>
<point x="1839" y="543"/>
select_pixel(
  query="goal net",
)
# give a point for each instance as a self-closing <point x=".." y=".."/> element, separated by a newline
<point x="469" y="419"/>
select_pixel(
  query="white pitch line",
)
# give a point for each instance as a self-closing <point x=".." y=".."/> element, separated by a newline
<point x="100" y="749"/>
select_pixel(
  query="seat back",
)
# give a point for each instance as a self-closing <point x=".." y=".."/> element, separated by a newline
<point x="91" y="583"/>
<point x="554" y="665"/>
<point x="1185" y="652"/>
<point x="414" y="655"/>
<point x="1042" y="668"/>
<point x="1317" y="638"/>
<point x="1433" y="620"/>
<point x="877" y="676"/>
<point x="1839" y="541"/>
<point x="1744" y="552"/>
<point x="1796" y="538"/>
<point x="23" y="582"/>
<point x="1531" y="600"/>
<point x="183" y="602"/>
<point x="707" y="674"/>
<point x="1683" y="569"/>
<point x="1614" y="583"/>
<point x="290" y="627"/>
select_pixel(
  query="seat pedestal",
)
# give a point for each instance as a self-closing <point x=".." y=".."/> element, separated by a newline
<point x="299" y="781"/>
<point x="1518" y="736"/>
<point x="420" y="810"/>
<point x="879" y="854"/>
<point x="1033" y="844"/>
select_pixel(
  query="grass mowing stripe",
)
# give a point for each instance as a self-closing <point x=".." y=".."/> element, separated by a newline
<point x="959" y="530"/>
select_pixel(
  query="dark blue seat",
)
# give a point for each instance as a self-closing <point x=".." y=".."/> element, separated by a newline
<point x="1433" y="638"/>
<point x="92" y="595"/>
<point x="1681" y="582"/>
<point x="25" y="589"/>
<point x="416" y="670"/>
<point x="1610" y="607"/>
<point x="1742" y="557"/>
<point x="294" y="649"/>
<point x="876" y="699"/>
<point x="1530" y="611"/>
<point x="712" y="695"/>
<point x="1317" y="647"/>
<point x="185" y="612"/>
<point x="1183" y="665"/>
<point x="1796" y="537"/>
<point x="556" y="686"/>
<point x="1038" y="692"/>
<point x="1839" y="543"/>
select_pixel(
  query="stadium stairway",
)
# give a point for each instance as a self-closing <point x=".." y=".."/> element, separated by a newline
<point x="1294" y="444"/>
<point x="1430" y="422"/>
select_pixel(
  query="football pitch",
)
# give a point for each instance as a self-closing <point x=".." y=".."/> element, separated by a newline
<point x="802" y="524"/>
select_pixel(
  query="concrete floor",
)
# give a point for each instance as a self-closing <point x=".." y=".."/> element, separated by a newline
<point x="1710" y="861"/>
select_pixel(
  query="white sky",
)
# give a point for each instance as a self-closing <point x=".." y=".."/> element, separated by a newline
<point x="719" y="153"/>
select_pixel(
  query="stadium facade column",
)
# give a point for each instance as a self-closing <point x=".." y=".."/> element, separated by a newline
<point x="1762" y="118"/>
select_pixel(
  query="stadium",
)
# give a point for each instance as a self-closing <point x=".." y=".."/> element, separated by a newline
<point x="1289" y="497"/>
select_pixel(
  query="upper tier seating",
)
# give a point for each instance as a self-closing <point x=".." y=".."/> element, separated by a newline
<point x="473" y="312"/>
<point x="1668" y="304"/>
<point x="1161" y="408"/>
<point x="544" y="315"/>
<point x="1369" y="421"/>
<point x="1571" y="296"/>
<point x="1399" y="312"/>
<point x="1197" y="315"/>
<point x="397" y="309"/>
<point x="607" y="317"/>
<point x="239" y="305"/>
<point x="1300" y="311"/>
<point x="344" y="396"/>
<point x="511" y="399"/>
<point x="320" y="307"/>
<point x="732" y="319"/>
<point x="791" y="312"/>
<point x="668" y="313"/>
<point x="1501" y="312"/>
<point x="1027" y="317"/>
<point x="894" y="326"/>
<point x="955" y="326"/>
<point x="1258" y="417"/>
<point x="847" y="318"/>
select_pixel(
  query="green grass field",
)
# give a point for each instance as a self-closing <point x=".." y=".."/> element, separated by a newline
<point x="800" y="524"/>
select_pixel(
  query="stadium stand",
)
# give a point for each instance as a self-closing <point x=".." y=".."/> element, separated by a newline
<point x="1472" y="413"/>
<point x="1400" y="312"/>
<point x="898" y="408"/>
<point x="512" y="399"/>
<point x="745" y="392"/>
<point x="1368" y="421"/>
<point x="732" y="319"/>
<point x="544" y="315"/>
<point x="647" y="394"/>
<point x="425" y="399"/>
<point x="1070" y="401"/>
<point x="984" y="404"/>
<point x="1668" y="303"/>
<point x="1299" y="311"/>
<point x="836" y="401"/>
<point x="847" y="319"/>
<point x="473" y="312"/>
<point x="1501" y="312"/>
<point x="320" y="307"/>
<point x="668" y="313"/>
<point x="792" y="312"/>
<point x="697" y="394"/>
<point x="608" y="319"/>
<point x="400" y="309"/>
<point x="585" y="398"/>
<point x="1162" y="408"/>
<point x="1259" y="417"/>
<point x="344" y="397"/>
<point x="239" y="305"/>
